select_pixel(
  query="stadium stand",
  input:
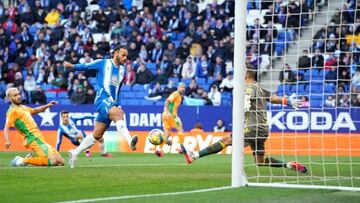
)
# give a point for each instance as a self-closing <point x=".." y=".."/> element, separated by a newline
<point x="36" y="37"/>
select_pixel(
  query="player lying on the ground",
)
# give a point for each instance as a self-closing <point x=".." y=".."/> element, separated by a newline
<point x="69" y="129"/>
<point x="20" y="117"/>
<point x="171" y="120"/>
<point x="256" y="127"/>
<point x="110" y="75"/>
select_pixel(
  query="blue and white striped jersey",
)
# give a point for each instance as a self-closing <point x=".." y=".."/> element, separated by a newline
<point x="70" y="131"/>
<point x="109" y="77"/>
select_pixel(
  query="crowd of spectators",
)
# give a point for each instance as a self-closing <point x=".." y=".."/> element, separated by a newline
<point x="333" y="59"/>
<point x="37" y="36"/>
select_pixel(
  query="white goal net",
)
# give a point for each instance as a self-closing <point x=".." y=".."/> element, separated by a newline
<point x="310" y="48"/>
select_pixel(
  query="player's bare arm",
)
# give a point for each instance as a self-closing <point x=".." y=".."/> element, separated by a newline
<point x="44" y="107"/>
<point x="6" y="136"/>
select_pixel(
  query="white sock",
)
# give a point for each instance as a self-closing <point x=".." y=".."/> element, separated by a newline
<point x="122" y="129"/>
<point x="102" y="146"/>
<point x="88" y="142"/>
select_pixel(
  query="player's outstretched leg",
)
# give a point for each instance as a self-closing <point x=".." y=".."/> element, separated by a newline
<point x="272" y="162"/>
<point x="88" y="142"/>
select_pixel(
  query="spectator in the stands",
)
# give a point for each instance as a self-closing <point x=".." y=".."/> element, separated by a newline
<point x="220" y="126"/>
<point x="177" y="68"/>
<point x="155" y="93"/>
<point x="166" y="66"/>
<point x="330" y="101"/>
<point x="38" y="96"/>
<point x="202" y="67"/>
<point x="305" y="102"/>
<point x="356" y="101"/>
<point x="156" y="53"/>
<point x="160" y="77"/>
<point x="344" y="100"/>
<point x="19" y="80"/>
<point x="90" y="96"/>
<point x="144" y="75"/>
<point x="191" y="88"/>
<point x="29" y="86"/>
<point x="170" y="52"/>
<point x="189" y="68"/>
<point x="218" y="67"/>
<point x="79" y="96"/>
<point x="130" y="75"/>
<point x="318" y="59"/>
<point x="227" y="84"/>
<point x="304" y="60"/>
<point x="287" y="75"/>
<point x="355" y="81"/>
<point x="218" y="80"/>
<point x="170" y="88"/>
<point x="215" y="96"/>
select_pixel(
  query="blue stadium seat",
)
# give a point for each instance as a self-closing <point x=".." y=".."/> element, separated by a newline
<point x="129" y="95"/>
<point x="176" y="80"/>
<point x="146" y="102"/>
<point x="134" y="102"/>
<point x="201" y="81"/>
<point x="159" y="103"/>
<point x="151" y="66"/>
<point x="46" y="87"/>
<point x="180" y="36"/>
<point x="63" y="95"/>
<point x="186" y="81"/>
<point x="329" y="88"/>
<point x="315" y="103"/>
<point x="299" y="88"/>
<point x="225" y="102"/>
<point x="225" y="95"/>
<point x="176" y="43"/>
<point x="138" y="87"/>
<point x="140" y="95"/>
<point x="125" y="88"/>
<point x="65" y="102"/>
<point x="50" y="94"/>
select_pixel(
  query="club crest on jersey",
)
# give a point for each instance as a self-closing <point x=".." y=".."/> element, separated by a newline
<point x="114" y="80"/>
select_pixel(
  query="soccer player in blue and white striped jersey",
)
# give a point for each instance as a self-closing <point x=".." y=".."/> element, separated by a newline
<point x="110" y="75"/>
<point x="68" y="129"/>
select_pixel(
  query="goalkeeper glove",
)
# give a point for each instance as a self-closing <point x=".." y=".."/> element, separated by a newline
<point x="292" y="101"/>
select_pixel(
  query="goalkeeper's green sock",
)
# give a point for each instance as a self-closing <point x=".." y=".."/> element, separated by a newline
<point x="272" y="162"/>
<point x="212" y="149"/>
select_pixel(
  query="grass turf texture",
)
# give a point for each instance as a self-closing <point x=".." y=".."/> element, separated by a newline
<point x="135" y="174"/>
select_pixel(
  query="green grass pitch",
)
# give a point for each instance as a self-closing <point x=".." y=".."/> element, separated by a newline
<point x="139" y="174"/>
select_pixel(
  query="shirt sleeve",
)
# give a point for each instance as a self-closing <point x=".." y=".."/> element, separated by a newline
<point x="172" y="97"/>
<point x="10" y="119"/>
<point x="31" y="110"/>
<point x="95" y="65"/>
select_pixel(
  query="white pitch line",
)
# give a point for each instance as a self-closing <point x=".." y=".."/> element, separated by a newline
<point x="146" y="195"/>
<point x="92" y="166"/>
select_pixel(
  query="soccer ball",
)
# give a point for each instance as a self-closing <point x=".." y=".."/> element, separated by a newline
<point x="156" y="137"/>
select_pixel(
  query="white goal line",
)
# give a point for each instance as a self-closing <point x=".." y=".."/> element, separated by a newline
<point x="147" y="195"/>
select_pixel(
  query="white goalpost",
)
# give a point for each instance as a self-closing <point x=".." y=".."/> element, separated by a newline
<point x="323" y="138"/>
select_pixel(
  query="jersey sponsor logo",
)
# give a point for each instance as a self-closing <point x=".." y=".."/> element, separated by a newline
<point x="114" y="80"/>
<point x="314" y="121"/>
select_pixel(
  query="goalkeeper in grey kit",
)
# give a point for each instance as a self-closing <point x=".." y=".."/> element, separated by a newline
<point x="256" y="127"/>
